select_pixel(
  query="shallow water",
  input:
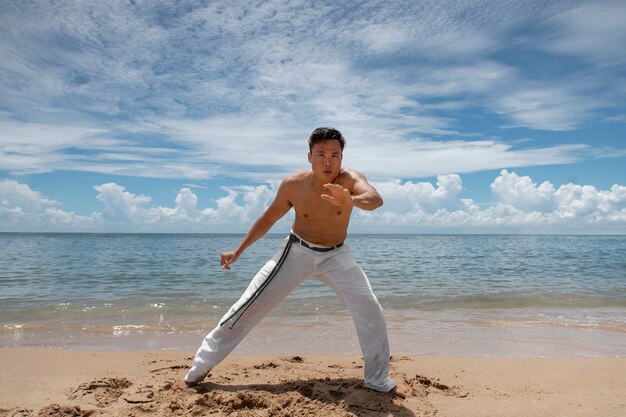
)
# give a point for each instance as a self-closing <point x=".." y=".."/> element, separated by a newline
<point x="452" y="295"/>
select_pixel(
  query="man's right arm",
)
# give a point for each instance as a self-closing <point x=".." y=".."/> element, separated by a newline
<point x="277" y="209"/>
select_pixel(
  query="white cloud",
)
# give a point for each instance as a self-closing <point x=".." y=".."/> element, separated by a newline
<point x="383" y="38"/>
<point x="187" y="202"/>
<point x="169" y="91"/>
<point x="232" y="90"/>
<point x="586" y="203"/>
<point x="36" y="147"/>
<point x="16" y="195"/>
<point x="423" y="196"/>
<point x="39" y="148"/>
<point x="522" y="206"/>
<point x="462" y="79"/>
<point x="24" y="209"/>
<point x="272" y="141"/>
<point x="239" y="208"/>
<point x="234" y="212"/>
<point x="388" y="156"/>
<point x="522" y="193"/>
<point x="119" y="204"/>
<point x="248" y="146"/>
<point x="69" y="221"/>
<point x="547" y="108"/>
<point x="254" y="140"/>
<point x="593" y="30"/>
<point x="571" y="204"/>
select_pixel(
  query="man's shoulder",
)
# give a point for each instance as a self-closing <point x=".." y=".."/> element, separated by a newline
<point x="349" y="174"/>
<point x="296" y="177"/>
<point x="293" y="181"/>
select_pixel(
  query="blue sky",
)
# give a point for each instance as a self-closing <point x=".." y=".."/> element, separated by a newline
<point x="469" y="117"/>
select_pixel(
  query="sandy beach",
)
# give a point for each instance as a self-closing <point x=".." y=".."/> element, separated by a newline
<point x="54" y="382"/>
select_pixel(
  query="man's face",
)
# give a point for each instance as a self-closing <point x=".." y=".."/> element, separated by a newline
<point x="325" y="159"/>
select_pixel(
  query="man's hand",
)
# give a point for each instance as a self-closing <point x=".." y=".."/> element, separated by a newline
<point x="340" y="196"/>
<point x="228" y="258"/>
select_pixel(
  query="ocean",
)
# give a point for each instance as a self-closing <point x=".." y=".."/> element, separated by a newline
<point x="443" y="295"/>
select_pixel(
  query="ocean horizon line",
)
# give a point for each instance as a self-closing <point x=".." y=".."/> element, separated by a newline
<point x="283" y="233"/>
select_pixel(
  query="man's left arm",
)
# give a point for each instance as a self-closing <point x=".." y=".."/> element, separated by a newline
<point x="363" y="196"/>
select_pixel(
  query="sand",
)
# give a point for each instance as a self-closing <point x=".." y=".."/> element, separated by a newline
<point x="47" y="382"/>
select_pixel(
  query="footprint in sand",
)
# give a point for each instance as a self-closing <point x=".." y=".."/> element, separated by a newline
<point x="266" y="365"/>
<point x="295" y="359"/>
<point x="104" y="391"/>
<point x="56" y="410"/>
<point x="16" y="412"/>
<point x="426" y="382"/>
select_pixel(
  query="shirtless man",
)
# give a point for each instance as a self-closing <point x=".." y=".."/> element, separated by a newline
<point x="323" y="198"/>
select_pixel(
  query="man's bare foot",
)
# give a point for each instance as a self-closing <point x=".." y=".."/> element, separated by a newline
<point x="182" y="385"/>
<point x="401" y="390"/>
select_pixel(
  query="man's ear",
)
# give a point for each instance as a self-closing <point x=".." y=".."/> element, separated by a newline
<point x="309" y="156"/>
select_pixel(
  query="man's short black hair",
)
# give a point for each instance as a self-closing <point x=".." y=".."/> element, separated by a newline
<point x="326" y="133"/>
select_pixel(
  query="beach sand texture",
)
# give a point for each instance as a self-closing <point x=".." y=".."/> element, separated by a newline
<point x="50" y="382"/>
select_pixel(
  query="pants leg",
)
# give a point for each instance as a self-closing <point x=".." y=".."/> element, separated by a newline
<point x="350" y="283"/>
<point x="222" y="339"/>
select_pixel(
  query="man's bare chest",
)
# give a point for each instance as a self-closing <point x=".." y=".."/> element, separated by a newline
<point x="316" y="209"/>
<point x="306" y="199"/>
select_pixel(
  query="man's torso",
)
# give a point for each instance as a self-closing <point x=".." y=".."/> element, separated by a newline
<point x="318" y="221"/>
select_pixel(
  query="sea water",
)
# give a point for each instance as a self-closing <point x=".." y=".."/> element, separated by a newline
<point x="443" y="295"/>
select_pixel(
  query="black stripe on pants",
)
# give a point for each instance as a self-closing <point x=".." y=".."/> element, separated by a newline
<point x="242" y="309"/>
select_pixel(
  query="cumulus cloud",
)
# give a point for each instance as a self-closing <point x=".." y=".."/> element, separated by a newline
<point x="423" y="196"/>
<point x="522" y="193"/>
<point x="21" y="196"/>
<point x="520" y="205"/>
<point x="568" y="204"/>
<point x="587" y="204"/>
<point x="119" y="204"/>
<point x="233" y="212"/>
<point x="187" y="202"/>
<point x="24" y="209"/>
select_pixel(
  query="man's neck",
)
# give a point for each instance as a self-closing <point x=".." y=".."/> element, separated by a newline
<point x="320" y="182"/>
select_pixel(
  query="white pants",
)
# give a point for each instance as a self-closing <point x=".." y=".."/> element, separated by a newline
<point x="339" y="271"/>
